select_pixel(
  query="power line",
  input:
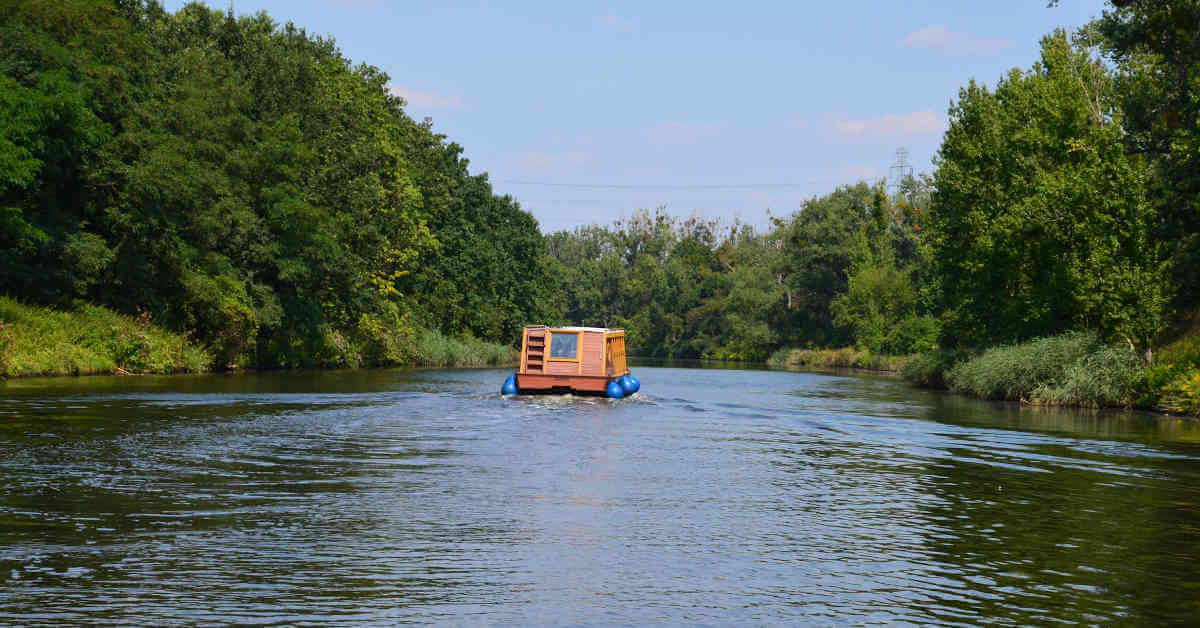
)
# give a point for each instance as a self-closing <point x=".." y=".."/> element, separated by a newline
<point x="626" y="186"/>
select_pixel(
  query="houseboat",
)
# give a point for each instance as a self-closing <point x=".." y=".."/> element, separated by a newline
<point x="589" y="360"/>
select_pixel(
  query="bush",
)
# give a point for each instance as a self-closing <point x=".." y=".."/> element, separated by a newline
<point x="928" y="370"/>
<point x="845" y="357"/>
<point x="1184" y="351"/>
<point x="436" y="349"/>
<point x="1182" y="394"/>
<point x="1014" y="372"/>
<point x="779" y="358"/>
<point x="1108" y="377"/>
<point x="914" y="334"/>
<point x="1169" y="383"/>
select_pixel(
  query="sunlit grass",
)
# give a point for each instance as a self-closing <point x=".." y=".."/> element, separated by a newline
<point x="436" y="349"/>
<point x="91" y="340"/>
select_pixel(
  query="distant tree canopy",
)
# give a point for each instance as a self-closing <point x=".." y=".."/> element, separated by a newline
<point x="844" y="269"/>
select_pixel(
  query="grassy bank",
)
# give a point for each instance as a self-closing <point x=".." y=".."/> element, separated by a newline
<point x="89" y="341"/>
<point x="1073" y="369"/>
<point x="436" y="349"/>
<point x="94" y="341"/>
<point x="844" y="358"/>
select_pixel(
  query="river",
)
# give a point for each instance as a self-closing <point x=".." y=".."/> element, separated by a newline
<point x="714" y="496"/>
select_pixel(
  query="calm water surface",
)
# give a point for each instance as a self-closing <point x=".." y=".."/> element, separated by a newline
<point x="712" y="497"/>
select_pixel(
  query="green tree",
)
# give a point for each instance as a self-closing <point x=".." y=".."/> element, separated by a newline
<point x="817" y="247"/>
<point x="246" y="182"/>
<point x="1155" y="45"/>
<point x="1040" y="218"/>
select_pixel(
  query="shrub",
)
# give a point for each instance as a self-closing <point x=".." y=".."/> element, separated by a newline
<point x="1015" y="371"/>
<point x="928" y="370"/>
<point x="436" y="349"/>
<point x="1184" y="351"/>
<point x="1182" y="394"/>
<point x="6" y="342"/>
<point x="914" y="334"/>
<point x="845" y="357"/>
<point x="1108" y="377"/>
<point x="779" y="358"/>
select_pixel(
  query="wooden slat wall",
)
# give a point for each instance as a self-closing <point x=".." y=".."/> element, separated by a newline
<point x="616" y="355"/>
<point x="562" y="368"/>
<point x="593" y="353"/>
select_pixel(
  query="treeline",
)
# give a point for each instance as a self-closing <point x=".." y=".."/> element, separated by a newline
<point x="244" y="182"/>
<point x="1064" y="203"/>
<point x="846" y="268"/>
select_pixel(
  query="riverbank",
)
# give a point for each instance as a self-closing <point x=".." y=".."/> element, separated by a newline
<point x="1070" y="370"/>
<point x="843" y="358"/>
<point x="1073" y="369"/>
<point x="91" y="340"/>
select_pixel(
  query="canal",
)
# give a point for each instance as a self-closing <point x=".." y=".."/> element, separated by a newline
<point x="714" y="496"/>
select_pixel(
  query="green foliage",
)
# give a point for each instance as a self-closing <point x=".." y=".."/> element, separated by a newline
<point x="1110" y="376"/>
<point x="1185" y="349"/>
<point x="246" y="182"/>
<point x="880" y="302"/>
<point x="6" y="344"/>
<point x="386" y="339"/>
<point x="90" y="340"/>
<point x="1071" y="369"/>
<point x="1014" y="372"/>
<point x="1167" y="383"/>
<point x="843" y="358"/>
<point x="851" y="266"/>
<point x="680" y="288"/>
<point x="1182" y="393"/>
<point x="929" y="369"/>
<point x="1155" y="46"/>
<point x="1040" y="218"/>
<point x="435" y="349"/>
<point x="818" y="247"/>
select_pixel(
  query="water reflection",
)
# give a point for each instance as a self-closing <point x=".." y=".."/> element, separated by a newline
<point x="714" y="496"/>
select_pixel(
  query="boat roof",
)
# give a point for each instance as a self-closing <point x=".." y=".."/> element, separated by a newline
<point x="599" y="329"/>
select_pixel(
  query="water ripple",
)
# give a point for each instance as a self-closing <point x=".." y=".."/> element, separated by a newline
<point x="711" y="497"/>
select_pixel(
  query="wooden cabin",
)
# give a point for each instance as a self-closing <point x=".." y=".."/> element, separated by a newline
<point x="579" y="359"/>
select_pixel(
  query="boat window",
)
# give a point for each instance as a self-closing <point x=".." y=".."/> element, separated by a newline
<point x="564" y="345"/>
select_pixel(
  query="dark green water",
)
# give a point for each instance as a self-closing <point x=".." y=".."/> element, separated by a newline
<point x="713" y="497"/>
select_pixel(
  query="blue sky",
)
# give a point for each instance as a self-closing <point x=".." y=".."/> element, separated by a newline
<point x="722" y="109"/>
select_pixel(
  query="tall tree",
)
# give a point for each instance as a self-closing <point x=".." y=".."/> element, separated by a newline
<point x="1155" y="45"/>
<point x="1040" y="218"/>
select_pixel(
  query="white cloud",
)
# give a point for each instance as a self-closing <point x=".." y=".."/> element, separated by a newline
<point x="891" y="124"/>
<point x="928" y="37"/>
<point x="619" y="23"/>
<point x="542" y="162"/>
<point x="939" y="37"/>
<point x="419" y="99"/>
<point x="676" y="133"/>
